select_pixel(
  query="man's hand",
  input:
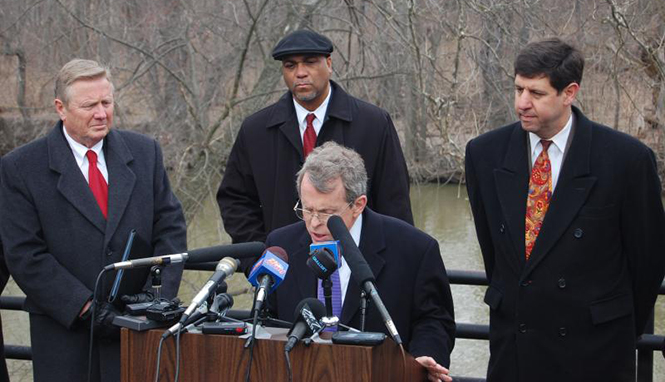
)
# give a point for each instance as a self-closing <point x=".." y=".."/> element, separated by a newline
<point x="105" y="312"/>
<point x="435" y="371"/>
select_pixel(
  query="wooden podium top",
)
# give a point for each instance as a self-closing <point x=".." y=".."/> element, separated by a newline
<point x="212" y="358"/>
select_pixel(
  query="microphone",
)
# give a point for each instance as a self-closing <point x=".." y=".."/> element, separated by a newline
<point x="200" y="255"/>
<point x="322" y="262"/>
<point x="222" y="301"/>
<point x="268" y="273"/>
<point x="308" y="313"/>
<point x="225" y="268"/>
<point x="361" y="271"/>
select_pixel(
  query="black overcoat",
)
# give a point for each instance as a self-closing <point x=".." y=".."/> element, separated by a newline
<point x="258" y="191"/>
<point x="574" y="310"/>
<point x="56" y="239"/>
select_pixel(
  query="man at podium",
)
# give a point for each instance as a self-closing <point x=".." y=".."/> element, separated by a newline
<point x="405" y="261"/>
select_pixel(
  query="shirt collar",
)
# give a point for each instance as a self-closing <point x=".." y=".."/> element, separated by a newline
<point x="79" y="150"/>
<point x="559" y="140"/>
<point x="356" y="229"/>
<point x="320" y="111"/>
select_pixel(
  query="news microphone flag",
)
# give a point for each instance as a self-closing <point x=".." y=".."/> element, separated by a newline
<point x="269" y="264"/>
<point x="332" y="246"/>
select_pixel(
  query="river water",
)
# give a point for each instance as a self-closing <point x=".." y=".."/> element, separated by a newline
<point x="441" y="211"/>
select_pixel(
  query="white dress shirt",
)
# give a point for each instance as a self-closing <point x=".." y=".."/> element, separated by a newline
<point x="79" y="154"/>
<point x="320" y="113"/>
<point x="555" y="152"/>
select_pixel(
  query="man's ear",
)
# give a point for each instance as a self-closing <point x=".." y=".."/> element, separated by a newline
<point x="60" y="108"/>
<point x="359" y="205"/>
<point x="570" y="92"/>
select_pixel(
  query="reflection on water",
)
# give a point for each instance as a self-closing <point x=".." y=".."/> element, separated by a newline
<point x="441" y="211"/>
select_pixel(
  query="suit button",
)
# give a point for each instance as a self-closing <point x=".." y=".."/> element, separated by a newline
<point x="502" y="229"/>
<point x="522" y="328"/>
<point x="578" y="233"/>
<point x="562" y="283"/>
<point x="526" y="283"/>
<point x="109" y="253"/>
<point x="562" y="332"/>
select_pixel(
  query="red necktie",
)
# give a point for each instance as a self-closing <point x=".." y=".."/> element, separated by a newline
<point x="538" y="200"/>
<point x="309" y="139"/>
<point x="97" y="183"/>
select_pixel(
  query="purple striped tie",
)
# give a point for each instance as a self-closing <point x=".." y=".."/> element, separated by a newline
<point x="336" y="297"/>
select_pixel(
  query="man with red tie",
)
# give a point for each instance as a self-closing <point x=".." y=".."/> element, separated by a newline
<point x="68" y="202"/>
<point x="570" y="224"/>
<point x="257" y="192"/>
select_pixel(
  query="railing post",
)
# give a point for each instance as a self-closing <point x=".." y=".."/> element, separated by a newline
<point x="645" y="357"/>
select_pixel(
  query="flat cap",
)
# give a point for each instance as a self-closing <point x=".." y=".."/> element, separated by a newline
<point x="302" y="42"/>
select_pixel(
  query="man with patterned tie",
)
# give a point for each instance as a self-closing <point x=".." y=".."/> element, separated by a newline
<point x="406" y="262"/>
<point x="570" y="224"/>
<point x="68" y="202"/>
<point x="257" y="193"/>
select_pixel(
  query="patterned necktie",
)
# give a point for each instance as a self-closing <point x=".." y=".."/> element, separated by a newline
<point x="309" y="139"/>
<point x="336" y="297"/>
<point x="538" y="200"/>
<point x="97" y="183"/>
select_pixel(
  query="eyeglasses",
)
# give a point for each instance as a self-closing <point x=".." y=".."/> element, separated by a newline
<point x="307" y="214"/>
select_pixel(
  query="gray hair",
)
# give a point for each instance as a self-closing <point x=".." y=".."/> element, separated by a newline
<point x="330" y="161"/>
<point x="78" y="69"/>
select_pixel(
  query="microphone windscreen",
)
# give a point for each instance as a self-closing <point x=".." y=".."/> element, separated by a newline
<point x="270" y="264"/>
<point x="322" y="262"/>
<point x="218" y="252"/>
<point x="279" y="252"/>
<point x="315" y="306"/>
<point x="360" y="270"/>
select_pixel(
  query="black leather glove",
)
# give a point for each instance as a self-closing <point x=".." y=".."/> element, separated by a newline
<point x="146" y="296"/>
<point x="105" y="312"/>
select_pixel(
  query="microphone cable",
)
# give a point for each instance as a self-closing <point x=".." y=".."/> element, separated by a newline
<point x="177" y="356"/>
<point x="159" y="357"/>
<point x="251" y="340"/>
<point x="288" y="365"/>
<point x="92" y="322"/>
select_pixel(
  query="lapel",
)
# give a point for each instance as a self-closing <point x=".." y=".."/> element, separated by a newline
<point x="372" y="242"/>
<point x="121" y="180"/>
<point x="512" y="184"/>
<point x="284" y="115"/>
<point x="71" y="183"/>
<point x="573" y="187"/>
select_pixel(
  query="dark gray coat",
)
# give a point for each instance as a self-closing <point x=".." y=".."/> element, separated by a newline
<point x="574" y="310"/>
<point x="56" y="240"/>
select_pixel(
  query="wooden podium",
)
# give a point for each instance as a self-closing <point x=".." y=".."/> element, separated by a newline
<point x="212" y="358"/>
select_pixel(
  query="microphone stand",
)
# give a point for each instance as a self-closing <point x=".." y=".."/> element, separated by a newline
<point x="363" y="309"/>
<point x="327" y="295"/>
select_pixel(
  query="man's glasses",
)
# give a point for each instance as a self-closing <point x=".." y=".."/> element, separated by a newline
<point x="307" y="214"/>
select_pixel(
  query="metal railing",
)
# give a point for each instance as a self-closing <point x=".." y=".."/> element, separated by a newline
<point x="646" y="345"/>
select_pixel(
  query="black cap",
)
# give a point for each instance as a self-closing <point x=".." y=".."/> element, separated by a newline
<point x="302" y="42"/>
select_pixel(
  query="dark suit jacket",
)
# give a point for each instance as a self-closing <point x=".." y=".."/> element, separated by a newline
<point x="258" y="191"/>
<point x="574" y="310"/>
<point x="410" y="277"/>
<point x="56" y="240"/>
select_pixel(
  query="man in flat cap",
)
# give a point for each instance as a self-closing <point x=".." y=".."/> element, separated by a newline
<point x="257" y="193"/>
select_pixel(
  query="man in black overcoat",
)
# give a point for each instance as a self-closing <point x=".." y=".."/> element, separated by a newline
<point x="59" y="232"/>
<point x="571" y="305"/>
<point x="257" y="192"/>
<point x="405" y="261"/>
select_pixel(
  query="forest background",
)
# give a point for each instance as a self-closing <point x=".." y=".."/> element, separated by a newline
<point x="188" y="71"/>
